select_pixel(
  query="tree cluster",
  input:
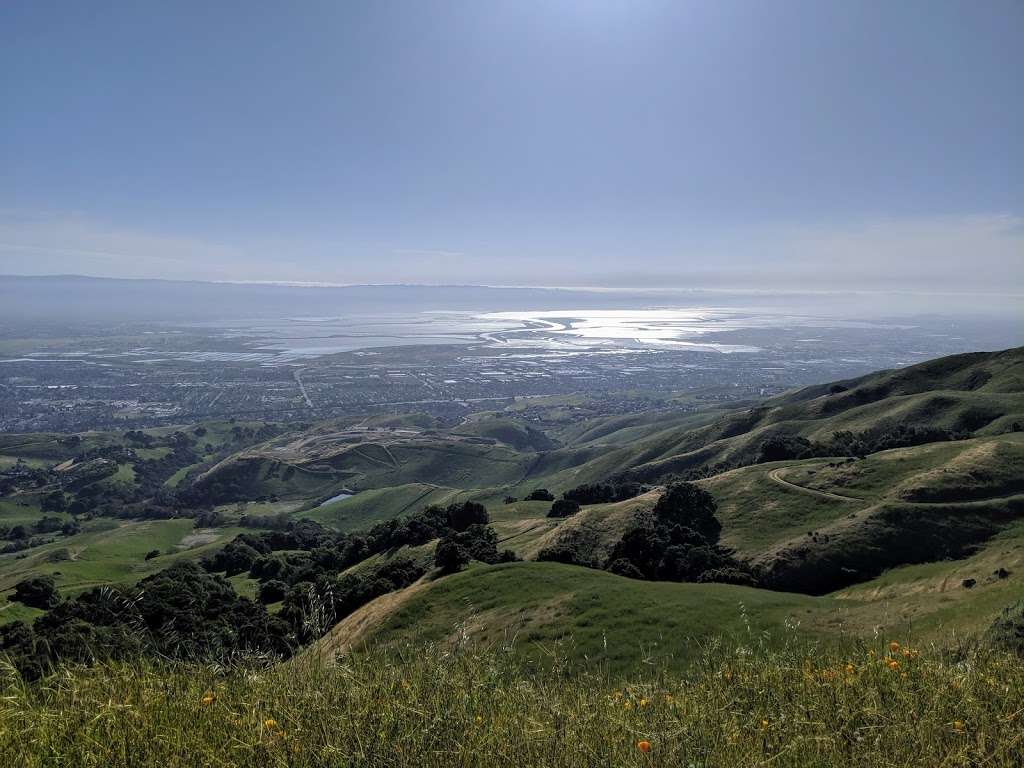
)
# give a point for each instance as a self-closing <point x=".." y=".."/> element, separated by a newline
<point x="181" y="612"/>
<point x="677" y="540"/>
<point x="603" y="493"/>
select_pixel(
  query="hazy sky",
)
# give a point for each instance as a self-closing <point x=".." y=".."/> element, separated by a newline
<point x="568" y="142"/>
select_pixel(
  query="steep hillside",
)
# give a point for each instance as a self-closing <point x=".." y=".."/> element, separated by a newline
<point x="980" y="394"/>
<point x="966" y="395"/>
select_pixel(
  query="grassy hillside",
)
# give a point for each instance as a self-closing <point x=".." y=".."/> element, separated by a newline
<point x="494" y="454"/>
<point x="113" y="551"/>
<point x="896" y="532"/>
<point x="814" y="522"/>
<point x="363" y="510"/>
<point x="420" y="706"/>
<point x="605" y="618"/>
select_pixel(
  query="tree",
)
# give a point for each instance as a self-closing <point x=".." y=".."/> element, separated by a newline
<point x="451" y="557"/>
<point x="624" y="567"/>
<point x="541" y="494"/>
<point x="480" y="543"/>
<point x="37" y="592"/>
<point x="564" y="508"/>
<point x="53" y="502"/>
<point x="461" y="516"/>
<point x="783" y="447"/>
<point x="690" y="506"/>
<point x="272" y="591"/>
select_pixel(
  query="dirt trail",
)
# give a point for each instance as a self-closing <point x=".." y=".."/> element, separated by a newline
<point x="774" y="475"/>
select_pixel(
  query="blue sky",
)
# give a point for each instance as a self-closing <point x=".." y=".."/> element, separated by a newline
<point x="601" y="143"/>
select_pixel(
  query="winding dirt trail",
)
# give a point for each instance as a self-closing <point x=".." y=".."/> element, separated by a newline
<point x="775" y="476"/>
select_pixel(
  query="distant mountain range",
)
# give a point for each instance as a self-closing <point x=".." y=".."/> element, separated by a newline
<point x="78" y="298"/>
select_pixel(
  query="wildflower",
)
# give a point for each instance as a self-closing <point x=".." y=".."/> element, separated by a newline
<point x="643" y="702"/>
<point x="892" y="664"/>
<point x="764" y="725"/>
<point x="894" y="646"/>
<point x="479" y="719"/>
<point x="644" y="745"/>
<point x="850" y="669"/>
<point x="958" y="726"/>
<point x="208" y="698"/>
<point x="270" y="723"/>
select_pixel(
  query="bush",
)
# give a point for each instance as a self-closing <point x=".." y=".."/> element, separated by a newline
<point x="1007" y="632"/>
<point x="624" y="567"/>
<point x="784" y="447"/>
<point x="564" y="508"/>
<point x="272" y="591"/>
<point x="541" y="494"/>
<point x="37" y="592"/>
<point x="603" y="493"/>
<point x="451" y="556"/>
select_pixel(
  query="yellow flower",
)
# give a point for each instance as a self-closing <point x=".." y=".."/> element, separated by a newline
<point x="958" y="725"/>
<point x="764" y="725"/>
<point x="894" y="646"/>
<point x="208" y="698"/>
<point x="270" y="723"/>
<point x="892" y="664"/>
<point x="643" y="702"/>
<point x="850" y="669"/>
<point x="479" y="719"/>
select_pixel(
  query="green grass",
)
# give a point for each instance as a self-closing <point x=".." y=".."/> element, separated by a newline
<point x="365" y="509"/>
<point x="15" y="510"/>
<point x="476" y="706"/>
<point x="757" y="512"/>
<point x="174" y="480"/>
<point x="604" y="617"/>
<point x="759" y="507"/>
<point x="111" y="551"/>
<point x="6" y="462"/>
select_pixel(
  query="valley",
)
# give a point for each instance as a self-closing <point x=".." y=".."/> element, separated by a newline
<point x="887" y="503"/>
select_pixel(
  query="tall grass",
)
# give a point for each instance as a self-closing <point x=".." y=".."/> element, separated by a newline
<point x="883" y="706"/>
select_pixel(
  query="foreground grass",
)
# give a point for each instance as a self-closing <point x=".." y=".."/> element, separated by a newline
<point x="890" y="706"/>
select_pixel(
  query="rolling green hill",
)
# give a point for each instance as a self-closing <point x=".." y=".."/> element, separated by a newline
<point x="606" y="618"/>
<point x="929" y="533"/>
